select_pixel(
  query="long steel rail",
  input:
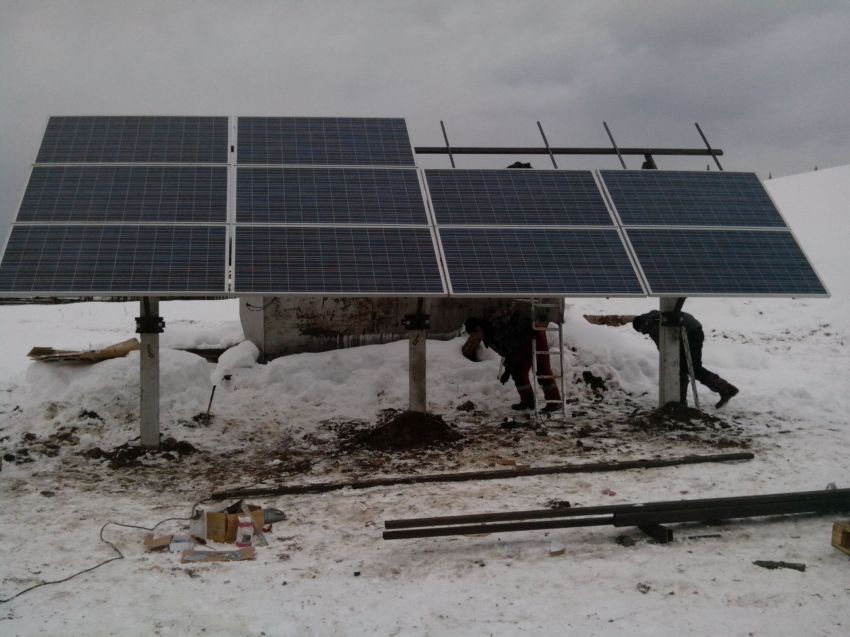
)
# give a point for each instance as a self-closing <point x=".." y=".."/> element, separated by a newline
<point x="618" y="515"/>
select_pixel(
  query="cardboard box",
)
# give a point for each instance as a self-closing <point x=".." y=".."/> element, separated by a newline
<point x="841" y="536"/>
<point x="221" y="526"/>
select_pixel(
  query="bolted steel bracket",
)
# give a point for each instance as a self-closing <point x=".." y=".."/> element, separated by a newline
<point x="150" y="325"/>
<point x="416" y="321"/>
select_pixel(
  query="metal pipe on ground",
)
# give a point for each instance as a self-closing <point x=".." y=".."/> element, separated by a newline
<point x="496" y="474"/>
<point x="642" y="515"/>
<point x="622" y="509"/>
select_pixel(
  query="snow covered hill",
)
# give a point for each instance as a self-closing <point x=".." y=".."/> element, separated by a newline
<point x="284" y="421"/>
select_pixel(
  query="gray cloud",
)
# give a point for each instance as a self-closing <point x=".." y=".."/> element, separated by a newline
<point x="766" y="79"/>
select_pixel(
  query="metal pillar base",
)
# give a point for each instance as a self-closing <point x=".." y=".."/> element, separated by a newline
<point x="148" y="326"/>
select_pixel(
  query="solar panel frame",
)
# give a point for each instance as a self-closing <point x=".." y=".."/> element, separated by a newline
<point x="398" y="152"/>
<point x="541" y="197"/>
<point x="547" y="267"/>
<point x="659" y="197"/>
<point x="127" y="193"/>
<point x="330" y="195"/>
<point x="711" y="269"/>
<point x="125" y="238"/>
<point x="426" y="242"/>
<point x="53" y="150"/>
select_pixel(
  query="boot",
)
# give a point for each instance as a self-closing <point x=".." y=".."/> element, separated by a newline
<point x="722" y="387"/>
<point x="526" y="398"/>
<point x="729" y="392"/>
<point x="551" y="395"/>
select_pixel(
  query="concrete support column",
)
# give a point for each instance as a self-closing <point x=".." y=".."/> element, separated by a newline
<point x="668" y="357"/>
<point x="417" y="340"/>
<point x="149" y="325"/>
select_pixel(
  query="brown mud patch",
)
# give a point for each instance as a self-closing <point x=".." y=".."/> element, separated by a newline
<point x="404" y="430"/>
<point x="130" y="455"/>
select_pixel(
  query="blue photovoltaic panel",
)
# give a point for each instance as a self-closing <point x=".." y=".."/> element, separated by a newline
<point x="126" y="194"/>
<point x="329" y="195"/>
<point x="118" y="139"/>
<point x="324" y="140"/>
<point x="517" y="197"/>
<point x="108" y="259"/>
<point x="336" y="260"/>
<point x="687" y="262"/>
<point x="538" y="262"/>
<point x="680" y="198"/>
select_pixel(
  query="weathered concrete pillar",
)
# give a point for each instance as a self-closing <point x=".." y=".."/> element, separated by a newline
<point x="149" y="325"/>
<point x="668" y="357"/>
<point x="418" y="381"/>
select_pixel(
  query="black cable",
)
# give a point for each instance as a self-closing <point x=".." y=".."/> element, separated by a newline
<point x="259" y="308"/>
<point x="114" y="548"/>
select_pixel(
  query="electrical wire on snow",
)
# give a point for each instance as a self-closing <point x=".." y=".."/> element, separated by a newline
<point x="120" y="555"/>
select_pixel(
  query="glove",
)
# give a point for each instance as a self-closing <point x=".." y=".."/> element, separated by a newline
<point x="505" y="376"/>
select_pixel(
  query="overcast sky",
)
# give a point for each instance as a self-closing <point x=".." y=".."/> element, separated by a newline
<point x="767" y="80"/>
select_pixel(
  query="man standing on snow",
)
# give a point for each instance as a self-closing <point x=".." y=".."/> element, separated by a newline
<point x="650" y="324"/>
<point x="509" y="333"/>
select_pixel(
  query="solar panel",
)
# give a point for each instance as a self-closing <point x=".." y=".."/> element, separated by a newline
<point x="110" y="259"/>
<point x="521" y="197"/>
<point x="681" y="198"/>
<point x="538" y="262"/>
<point x="126" y="193"/>
<point x="688" y="262"/>
<point x="188" y="140"/>
<point x="324" y="140"/>
<point x="336" y="260"/>
<point x="329" y="195"/>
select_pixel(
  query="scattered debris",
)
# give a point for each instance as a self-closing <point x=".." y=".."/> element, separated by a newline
<point x="626" y="540"/>
<point x="50" y="355"/>
<point x="556" y="549"/>
<point x="157" y="543"/>
<point x="770" y="564"/>
<point x="203" y="555"/>
<point x="643" y="587"/>
<point x="466" y="406"/>
<point x="841" y="535"/>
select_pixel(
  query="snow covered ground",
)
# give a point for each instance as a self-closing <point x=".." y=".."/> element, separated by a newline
<point x="327" y="570"/>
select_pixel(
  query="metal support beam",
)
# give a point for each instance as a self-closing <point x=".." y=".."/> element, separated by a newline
<point x="417" y="333"/>
<point x="149" y="326"/>
<point x="668" y="357"/>
<point x="562" y="150"/>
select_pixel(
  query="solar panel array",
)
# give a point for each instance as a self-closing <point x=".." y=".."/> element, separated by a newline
<point x="517" y="197"/>
<point x="708" y="233"/>
<point x="528" y="233"/>
<point x="538" y="262"/>
<point x="123" y="205"/>
<point x="126" y="193"/>
<point x="690" y="262"/>
<point x="114" y="259"/>
<point x="341" y="141"/>
<point x="329" y="195"/>
<point x="335" y="206"/>
<point x="135" y="140"/>
<point x="350" y="260"/>
<point x="679" y="198"/>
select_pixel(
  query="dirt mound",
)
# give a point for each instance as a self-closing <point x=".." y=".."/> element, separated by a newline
<point x="128" y="455"/>
<point x="688" y="424"/>
<point x="405" y="430"/>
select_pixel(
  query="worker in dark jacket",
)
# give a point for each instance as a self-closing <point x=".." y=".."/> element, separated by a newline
<point x="510" y="334"/>
<point x="650" y="324"/>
